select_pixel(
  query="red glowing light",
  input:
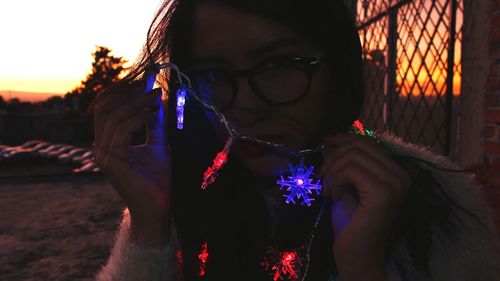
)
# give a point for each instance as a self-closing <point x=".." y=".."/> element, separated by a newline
<point x="203" y="258"/>
<point x="358" y="127"/>
<point x="220" y="159"/>
<point x="284" y="264"/>
<point x="211" y="172"/>
<point x="179" y="256"/>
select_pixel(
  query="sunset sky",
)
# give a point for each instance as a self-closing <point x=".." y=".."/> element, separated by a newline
<point x="46" y="46"/>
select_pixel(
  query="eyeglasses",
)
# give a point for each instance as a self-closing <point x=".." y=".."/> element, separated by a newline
<point x="279" y="81"/>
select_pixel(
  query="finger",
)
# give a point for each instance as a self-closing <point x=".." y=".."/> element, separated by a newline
<point x="107" y="104"/>
<point x="360" y="148"/>
<point x="350" y="140"/>
<point x="335" y="190"/>
<point x="370" y="183"/>
<point x="334" y="142"/>
<point x="372" y="191"/>
<point x="155" y="130"/>
<point x="345" y="139"/>
<point x="150" y="78"/>
<point x="121" y="114"/>
<point x="358" y="156"/>
<point x="332" y="190"/>
<point x="123" y="133"/>
<point x="119" y="90"/>
<point x="112" y="99"/>
<point x="116" y="157"/>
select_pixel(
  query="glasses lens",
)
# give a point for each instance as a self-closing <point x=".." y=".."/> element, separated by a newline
<point x="282" y="83"/>
<point x="215" y="88"/>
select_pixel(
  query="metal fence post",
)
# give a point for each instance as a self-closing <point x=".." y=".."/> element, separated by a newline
<point x="449" y="76"/>
<point x="391" y="63"/>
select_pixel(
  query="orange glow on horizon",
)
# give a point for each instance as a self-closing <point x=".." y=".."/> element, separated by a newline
<point x="47" y="45"/>
<point x="39" y="84"/>
<point x="421" y="67"/>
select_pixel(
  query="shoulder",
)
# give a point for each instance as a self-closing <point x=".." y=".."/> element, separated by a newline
<point x="474" y="254"/>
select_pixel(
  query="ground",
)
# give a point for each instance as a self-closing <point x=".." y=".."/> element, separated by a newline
<point x="62" y="227"/>
<point x="56" y="229"/>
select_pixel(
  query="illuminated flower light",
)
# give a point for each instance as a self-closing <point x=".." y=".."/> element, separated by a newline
<point x="203" y="258"/>
<point x="211" y="173"/>
<point x="181" y="102"/>
<point x="300" y="184"/>
<point x="282" y="264"/>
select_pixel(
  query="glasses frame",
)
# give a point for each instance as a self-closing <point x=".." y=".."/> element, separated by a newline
<point x="309" y="64"/>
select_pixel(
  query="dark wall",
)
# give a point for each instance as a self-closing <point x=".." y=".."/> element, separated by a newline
<point x="58" y="127"/>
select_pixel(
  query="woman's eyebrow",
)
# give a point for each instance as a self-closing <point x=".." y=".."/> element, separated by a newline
<point x="208" y="61"/>
<point x="266" y="48"/>
<point x="276" y="45"/>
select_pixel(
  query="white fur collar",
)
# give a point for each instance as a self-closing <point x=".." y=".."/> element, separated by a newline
<point x="476" y="257"/>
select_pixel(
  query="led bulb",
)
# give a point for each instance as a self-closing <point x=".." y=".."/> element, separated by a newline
<point x="181" y="101"/>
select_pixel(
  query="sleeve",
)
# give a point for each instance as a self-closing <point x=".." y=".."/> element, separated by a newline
<point x="131" y="261"/>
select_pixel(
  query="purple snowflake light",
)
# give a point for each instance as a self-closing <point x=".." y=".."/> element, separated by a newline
<point x="300" y="184"/>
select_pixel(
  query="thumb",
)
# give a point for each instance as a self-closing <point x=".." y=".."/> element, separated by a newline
<point x="155" y="129"/>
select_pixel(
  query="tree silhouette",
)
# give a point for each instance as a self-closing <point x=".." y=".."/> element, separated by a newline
<point x="106" y="70"/>
<point x="3" y="103"/>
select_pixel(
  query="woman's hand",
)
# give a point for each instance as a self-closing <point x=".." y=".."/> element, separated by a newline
<point x="140" y="174"/>
<point x="367" y="188"/>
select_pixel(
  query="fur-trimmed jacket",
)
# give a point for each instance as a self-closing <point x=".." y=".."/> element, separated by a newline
<point x="475" y="257"/>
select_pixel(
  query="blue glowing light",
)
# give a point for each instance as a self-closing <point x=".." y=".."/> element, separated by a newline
<point x="181" y="101"/>
<point x="300" y="184"/>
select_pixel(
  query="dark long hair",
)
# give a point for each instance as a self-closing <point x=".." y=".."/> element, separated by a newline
<point x="231" y="215"/>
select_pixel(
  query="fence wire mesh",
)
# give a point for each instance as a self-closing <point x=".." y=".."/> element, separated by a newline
<point x="412" y="55"/>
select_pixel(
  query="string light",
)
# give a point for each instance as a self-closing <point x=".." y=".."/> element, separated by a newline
<point x="203" y="258"/>
<point x="211" y="173"/>
<point x="300" y="184"/>
<point x="358" y="129"/>
<point x="181" y="102"/>
<point x="282" y="265"/>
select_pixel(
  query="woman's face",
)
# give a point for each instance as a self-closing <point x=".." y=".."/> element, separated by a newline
<point x="225" y="38"/>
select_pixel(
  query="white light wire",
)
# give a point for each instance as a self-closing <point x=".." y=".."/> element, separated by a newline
<point x="183" y="79"/>
<point x="235" y="135"/>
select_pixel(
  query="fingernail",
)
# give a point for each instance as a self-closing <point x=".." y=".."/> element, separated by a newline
<point x="155" y="91"/>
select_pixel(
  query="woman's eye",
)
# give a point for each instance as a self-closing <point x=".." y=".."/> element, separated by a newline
<point x="213" y="75"/>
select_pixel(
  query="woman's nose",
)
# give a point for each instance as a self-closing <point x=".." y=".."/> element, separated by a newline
<point x="247" y="108"/>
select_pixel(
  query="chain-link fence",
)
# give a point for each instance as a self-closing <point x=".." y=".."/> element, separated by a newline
<point x="412" y="53"/>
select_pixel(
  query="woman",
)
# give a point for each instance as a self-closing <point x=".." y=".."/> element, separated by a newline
<point x="286" y="72"/>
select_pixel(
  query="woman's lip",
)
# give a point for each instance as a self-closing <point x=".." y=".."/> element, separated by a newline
<point x="253" y="149"/>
